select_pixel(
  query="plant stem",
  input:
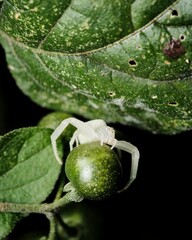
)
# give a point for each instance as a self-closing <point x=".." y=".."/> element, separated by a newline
<point x="59" y="193"/>
<point x="52" y="232"/>
<point x="35" y="208"/>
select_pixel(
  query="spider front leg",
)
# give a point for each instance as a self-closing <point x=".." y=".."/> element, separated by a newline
<point x="73" y="140"/>
<point x="81" y="126"/>
<point x="128" y="147"/>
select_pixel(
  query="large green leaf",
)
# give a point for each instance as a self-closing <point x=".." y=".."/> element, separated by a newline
<point x="86" y="57"/>
<point x="28" y="170"/>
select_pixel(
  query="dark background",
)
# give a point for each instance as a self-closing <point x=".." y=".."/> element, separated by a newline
<point x="156" y="206"/>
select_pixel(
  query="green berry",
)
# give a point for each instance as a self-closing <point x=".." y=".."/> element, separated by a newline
<point x="94" y="170"/>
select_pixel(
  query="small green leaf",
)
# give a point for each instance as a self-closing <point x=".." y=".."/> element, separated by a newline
<point x="95" y="64"/>
<point x="7" y="223"/>
<point x="53" y="119"/>
<point x="28" y="169"/>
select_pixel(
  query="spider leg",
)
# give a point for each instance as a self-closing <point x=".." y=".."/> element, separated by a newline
<point x="118" y="149"/>
<point x="102" y="140"/>
<point x="81" y="126"/>
<point x="128" y="147"/>
<point x="114" y="143"/>
<point x="77" y="141"/>
<point x="73" y="139"/>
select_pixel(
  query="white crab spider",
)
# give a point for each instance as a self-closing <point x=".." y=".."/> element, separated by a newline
<point x="96" y="130"/>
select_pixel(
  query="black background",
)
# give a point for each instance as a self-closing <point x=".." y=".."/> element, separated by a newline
<point x="156" y="206"/>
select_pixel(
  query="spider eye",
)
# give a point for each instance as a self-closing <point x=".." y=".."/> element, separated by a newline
<point x="110" y="130"/>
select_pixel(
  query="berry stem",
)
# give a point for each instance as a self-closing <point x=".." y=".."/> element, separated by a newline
<point x="43" y="208"/>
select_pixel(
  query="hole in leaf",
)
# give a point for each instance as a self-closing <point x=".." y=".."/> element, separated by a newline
<point x="132" y="63"/>
<point x="174" y="104"/>
<point x="111" y="94"/>
<point x="182" y="37"/>
<point x="174" y="13"/>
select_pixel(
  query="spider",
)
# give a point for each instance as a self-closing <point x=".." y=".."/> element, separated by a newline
<point x="96" y="130"/>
